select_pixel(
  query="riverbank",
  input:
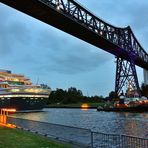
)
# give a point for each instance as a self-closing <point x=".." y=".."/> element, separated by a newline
<point x="105" y="122"/>
<point x="22" y="139"/>
<point x="76" y="105"/>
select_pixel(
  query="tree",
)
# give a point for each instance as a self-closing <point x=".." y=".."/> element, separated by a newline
<point x="74" y="95"/>
<point x="45" y="86"/>
<point x="113" y="96"/>
<point x="144" y="90"/>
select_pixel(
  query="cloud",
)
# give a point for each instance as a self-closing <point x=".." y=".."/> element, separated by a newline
<point x="123" y="13"/>
<point x="13" y="32"/>
<point x="70" y="55"/>
<point x="47" y="49"/>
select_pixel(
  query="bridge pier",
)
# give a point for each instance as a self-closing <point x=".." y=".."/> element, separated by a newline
<point x="126" y="77"/>
<point x="145" y="73"/>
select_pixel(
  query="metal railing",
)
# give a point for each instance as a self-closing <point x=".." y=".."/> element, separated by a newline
<point x="79" y="136"/>
<point x="102" y="140"/>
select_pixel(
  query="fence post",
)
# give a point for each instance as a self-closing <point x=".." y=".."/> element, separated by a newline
<point x="91" y="139"/>
<point x="120" y="141"/>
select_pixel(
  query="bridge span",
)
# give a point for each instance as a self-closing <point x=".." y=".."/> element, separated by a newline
<point x="72" y="18"/>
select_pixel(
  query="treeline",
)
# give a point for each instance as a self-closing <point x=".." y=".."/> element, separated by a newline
<point x="144" y="90"/>
<point x="71" y="96"/>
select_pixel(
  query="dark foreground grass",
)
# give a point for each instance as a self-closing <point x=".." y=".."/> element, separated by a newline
<point x="14" y="138"/>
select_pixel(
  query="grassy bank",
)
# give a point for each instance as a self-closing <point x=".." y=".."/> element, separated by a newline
<point x="15" y="138"/>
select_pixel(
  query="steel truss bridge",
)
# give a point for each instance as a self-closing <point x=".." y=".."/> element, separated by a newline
<point x="71" y="17"/>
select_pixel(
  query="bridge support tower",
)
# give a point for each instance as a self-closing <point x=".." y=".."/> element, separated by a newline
<point x="126" y="76"/>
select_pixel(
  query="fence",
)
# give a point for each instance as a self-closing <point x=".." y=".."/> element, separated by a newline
<point x="79" y="136"/>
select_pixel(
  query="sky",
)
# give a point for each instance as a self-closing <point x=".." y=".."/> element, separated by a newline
<point x="47" y="55"/>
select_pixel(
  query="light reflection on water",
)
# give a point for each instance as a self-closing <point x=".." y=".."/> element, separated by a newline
<point x="135" y="124"/>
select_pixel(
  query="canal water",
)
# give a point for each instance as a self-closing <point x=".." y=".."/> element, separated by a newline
<point x="133" y="124"/>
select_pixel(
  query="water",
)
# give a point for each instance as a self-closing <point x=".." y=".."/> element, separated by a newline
<point x="133" y="124"/>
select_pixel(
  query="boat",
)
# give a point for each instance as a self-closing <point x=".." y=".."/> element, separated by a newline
<point x="128" y="102"/>
<point x="133" y="104"/>
<point x="18" y="92"/>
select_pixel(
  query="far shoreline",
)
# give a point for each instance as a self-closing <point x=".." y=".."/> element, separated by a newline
<point x="72" y="107"/>
<point x="79" y="105"/>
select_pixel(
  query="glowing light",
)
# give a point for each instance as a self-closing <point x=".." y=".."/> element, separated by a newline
<point x="84" y="106"/>
<point x="4" y="115"/>
<point x="8" y="110"/>
<point x="24" y="95"/>
<point x="8" y="125"/>
<point x="58" y="7"/>
<point x="15" y="90"/>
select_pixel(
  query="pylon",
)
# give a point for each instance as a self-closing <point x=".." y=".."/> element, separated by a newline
<point x="126" y="75"/>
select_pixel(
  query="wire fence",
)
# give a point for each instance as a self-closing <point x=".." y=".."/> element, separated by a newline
<point x="79" y="136"/>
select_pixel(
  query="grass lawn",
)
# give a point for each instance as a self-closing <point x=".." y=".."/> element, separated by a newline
<point x="14" y="138"/>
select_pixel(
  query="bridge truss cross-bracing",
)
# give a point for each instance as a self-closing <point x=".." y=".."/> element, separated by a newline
<point x="71" y="17"/>
<point x="126" y="75"/>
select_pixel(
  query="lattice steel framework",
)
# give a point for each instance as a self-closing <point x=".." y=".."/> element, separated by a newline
<point x="124" y="38"/>
<point x="126" y="75"/>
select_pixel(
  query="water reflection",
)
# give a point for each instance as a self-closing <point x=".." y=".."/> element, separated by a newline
<point x="135" y="124"/>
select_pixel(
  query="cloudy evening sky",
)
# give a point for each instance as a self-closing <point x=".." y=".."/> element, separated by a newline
<point x="48" y="55"/>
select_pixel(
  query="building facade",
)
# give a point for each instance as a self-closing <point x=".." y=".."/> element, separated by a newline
<point x="145" y="72"/>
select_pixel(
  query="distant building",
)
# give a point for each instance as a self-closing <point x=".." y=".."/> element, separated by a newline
<point x="145" y="72"/>
<point x="131" y="91"/>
